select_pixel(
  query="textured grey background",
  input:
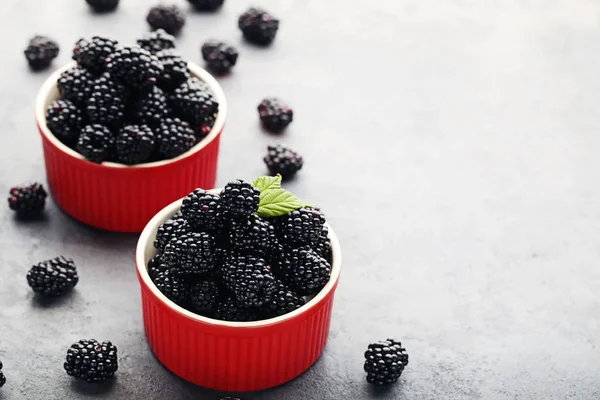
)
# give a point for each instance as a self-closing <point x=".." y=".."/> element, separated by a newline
<point x="454" y="147"/>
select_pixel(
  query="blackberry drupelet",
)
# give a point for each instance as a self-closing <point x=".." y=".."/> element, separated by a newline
<point x="252" y="235"/>
<point x="106" y="105"/>
<point x="230" y="310"/>
<point x="40" y="52"/>
<point x="174" y="227"/>
<point x="167" y="17"/>
<point x="64" y="120"/>
<point x="282" y="302"/>
<point x="53" y="277"/>
<point x="204" y="296"/>
<point x="91" y="54"/>
<point x="151" y="107"/>
<point x="2" y="377"/>
<point x="134" y="66"/>
<point x="92" y="361"/>
<point x="134" y="144"/>
<point x="274" y="114"/>
<point x="76" y="85"/>
<point x="175" y="70"/>
<point x="220" y="57"/>
<point x="95" y="143"/>
<point x="27" y="201"/>
<point x="175" y="137"/>
<point x="283" y="161"/>
<point x="240" y="198"/>
<point x="103" y="5"/>
<point x="172" y="285"/>
<point x="203" y="211"/>
<point x="323" y="245"/>
<point x="384" y="362"/>
<point x="302" y="226"/>
<point x="206" y="5"/>
<point x="258" y="26"/>
<point x="156" y="41"/>
<point x="250" y="279"/>
<point x="307" y="272"/>
<point x="192" y="253"/>
<point x="194" y="102"/>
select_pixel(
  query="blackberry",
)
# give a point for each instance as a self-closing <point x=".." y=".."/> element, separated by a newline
<point x="172" y="285"/>
<point x="301" y="226"/>
<point x="191" y="254"/>
<point x="64" y="120"/>
<point x="53" y="277"/>
<point x="106" y="105"/>
<point x="27" y="201"/>
<point x="175" y="137"/>
<point x="239" y="198"/>
<point x="170" y="18"/>
<point x="307" y="272"/>
<point x="92" y="54"/>
<point x="283" y="161"/>
<point x="220" y="57"/>
<point x="134" y="66"/>
<point x="207" y="126"/>
<point x="258" y="26"/>
<point x="156" y="41"/>
<point x="230" y="310"/>
<point x="95" y="143"/>
<point x="103" y="5"/>
<point x="92" y="361"/>
<point x="206" y="5"/>
<point x="250" y="279"/>
<point x="194" y="102"/>
<point x="2" y="377"/>
<point x="134" y="144"/>
<point x="203" y="211"/>
<point x="151" y="108"/>
<point x="40" y="52"/>
<point x="156" y="266"/>
<point x="385" y="361"/>
<point x="204" y="296"/>
<point x="174" y="227"/>
<point x="175" y="70"/>
<point x="252" y="235"/>
<point x="282" y="302"/>
<point x="76" y="85"/>
<point x="274" y="114"/>
<point x="323" y="245"/>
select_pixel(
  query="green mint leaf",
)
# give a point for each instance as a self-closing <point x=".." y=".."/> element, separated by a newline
<point x="277" y="202"/>
<point x="265" y="183"/>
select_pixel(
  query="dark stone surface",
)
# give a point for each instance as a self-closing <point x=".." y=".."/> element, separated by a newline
<point x="454" y="147"/>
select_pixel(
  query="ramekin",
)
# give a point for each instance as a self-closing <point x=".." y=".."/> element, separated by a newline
<point x="232" y="356"/>
<point x="118" y="197"/>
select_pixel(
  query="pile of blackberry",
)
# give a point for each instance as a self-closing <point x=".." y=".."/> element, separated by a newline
<point x="131" y="104"/>
<point x="218" y="258"/>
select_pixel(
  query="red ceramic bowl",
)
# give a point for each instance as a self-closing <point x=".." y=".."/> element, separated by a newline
<point x="117" y="197"/>
<point x="232" y="356"/>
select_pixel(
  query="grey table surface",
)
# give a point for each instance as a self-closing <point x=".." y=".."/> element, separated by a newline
<point x="452" y="144"/>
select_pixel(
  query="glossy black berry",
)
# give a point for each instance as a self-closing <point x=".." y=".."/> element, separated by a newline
<point x="283" y="301"/>
<point x="53" y="277"/>
<point x="194" y="102"/>
<point x="76" y="85"/>
<point x="239" y="198"/>
<point x="95" y="143"/>
<point x="174" y="227"/>
<point x="206" y="5"/>
<point x="175" y="70"/>
<point x="274" y="114"/>
<point x="250" y="279"/>
<point x="258" y="26"/>
<point x="220" y="57"/>
<point x="302" y="226"/>
<point x="27" y="201"/>
<point x="191" y="254"/>
<point x="64" y="120"/>
<point x="172" y="285"/>
<point x="40" y="52"/>
<point x="103" y="5"/>
<point x="203" y="211"/>
<point x="252" y="235"/>
<point x="92" y="361"/>
<point x="230" y="310"/>
<point x="204" y="297"/>
<point x="323" y="245"/>
<point x="151" y="107"/>
<point x="106" y="104"/>
<point x="175" y="137"/>
<point x="307" y="272"/>
<point x="156" y="266"/>
<point x="283" y="161"/>
<point x="156" y="41"/>
<point x="134" y="66"/>
<point x="167" y="17"/>
<point x="134" y="144"/>
<point x="91" y="54"/>
<point x="384" y="362"/>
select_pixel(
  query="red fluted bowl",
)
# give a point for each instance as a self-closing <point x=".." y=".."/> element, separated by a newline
<point x="118" y="197"/>
<point x="232" y="356"/>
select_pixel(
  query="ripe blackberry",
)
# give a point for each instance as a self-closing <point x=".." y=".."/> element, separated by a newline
<point x="240" y="198"/>
<point x="156" y="41"/>
<point x="134" y="66"/>
<point x="91" y="361"/>
<point x="134" y="144"/>
<point x="282" y="302"/>
<point x="103" y="5"/>
<point x="53" y="277"/>
<point x="230" y="310"/>
<point x="385" y="361"/>
<point x="92" y="54"/>
<point x="323" y="245"/>
<point x="64" y="120"/>
<point x="27" y="201"/>
<point x="220" y="57"/>
<point x="76" y="85"/>
<point x="302" y="226"/>
<point x="106" y="105"/>
<point x="174" y="227"/>
<point x="175" y="70"/>
<point x="170" y="18"/>
<point x="191" y="254"/>
<point x="258" y="26"/>
<point x="252" y="235"/>
<point x="204" y="296"/>
<point x="156" y="266"/>
<point x="203" y="211"/>
<point x="194" y="102"/>
<point x="40" y="52"/>
<point x="206" y="5"/>
<point x="2" y="377"/>
<point x="250" y="279"/>
<point x="95" y="143"/>
<point x="151" y="108"/>
<point x="283" y="161"/>
<point x="274" y="114"/>
<point x="172" y="285"/>
<point x="175" y="137"/>
<point x="307" y="272"/>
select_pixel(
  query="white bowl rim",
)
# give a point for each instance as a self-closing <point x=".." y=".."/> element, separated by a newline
<point x="197" y="71"/>
<point x="146" y="240"/>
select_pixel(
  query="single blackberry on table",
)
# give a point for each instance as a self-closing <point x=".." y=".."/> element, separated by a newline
<point x="156" y="41"/>
<point x="175" y="137"/>
<point x="174" y="227"/>
<point x="151" y="107"/>
<point x="302" y="226"/>
<point x="27" y="201"/>
<point x="252" y="235"/>
<point x="134" y="144"/>
<point x="175" y="70"/>
<point x="167" y="17"/>
<point x="95" y="143"/>
<point x="91" y="54"/>
<point x="103" y="5"/>
<point x="203" y="211"/>
<point x="2" y="377"/>
<point x="76" y="85"/>
<point x="191" y="254"/>
<point x="385" y="361"/>
<point x="64" y="120"/>
<point x="92" y="361"/>
<point x="250" y="279"/>
<point x="194" y="102"/>
<point x="106" y="105"/>
<point x="40" y="52"/>
<point x="307" y="272"/>
<point x="240" y="198"/>
<point x="53" y="277"/>
<point x="206" y="5"/>
<point x="230" y="310"/>
<point x="283" y="301"/>
<point x="204" y="296"/>
<point x="134" y="66"/>
<point x="258" y="26"/>
<point x="274" y="114"/>
<point x="220" y="57"/>
<point x="283" y="161"/>
<point x="172" y="285"/>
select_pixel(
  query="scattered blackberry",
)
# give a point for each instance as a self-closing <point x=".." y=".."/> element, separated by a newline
<point x="252" y="235"/>
<point x="134" y="144"/>
<point x="191" y="254"/>
<point x="239" y="198"/>
<point x="301" y="226"/>
<point x="174" y="227"/>
<point x="103" y="5"/>
<point x="64" y="120"/>
<point x="220" y="57"/>
<point x="204" y="296"/>
<point x="2" y="377"/>
<point x="151" y="108"/>
<point x="156" y="266"/>
<point x="106" y="105"/>
<point x="95" y="143"/>
<point x="170" y="18"/>
<point x="40" y="52"/>
<point x="206" y="5"/>
<point x="384" y="362"/>
<point x="282" y="302"/>
<point x="75" y="85"/>
<point x="134" y="66"/>
<point x="306" y="272"/>
<point x="175" y="137"/>
<point x="229" y="310"/>
<point x="274" y="114"/>
<point x="92" y="361"/>
<point x="172" y="285"/>
<point x="175" y="70"/>
<point x="250" y="279"/>
<point x="27" y="201"/>
<point x="258" y="26"/>
<point x="156" y="41"/>
<point x="323" y="245"/>
<point x="194" y="102"/>
<point x="53" y="277"/>
<point x="92" y="54"/>
<point x="203" y="211"/>
<point x="283" y="161"/>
